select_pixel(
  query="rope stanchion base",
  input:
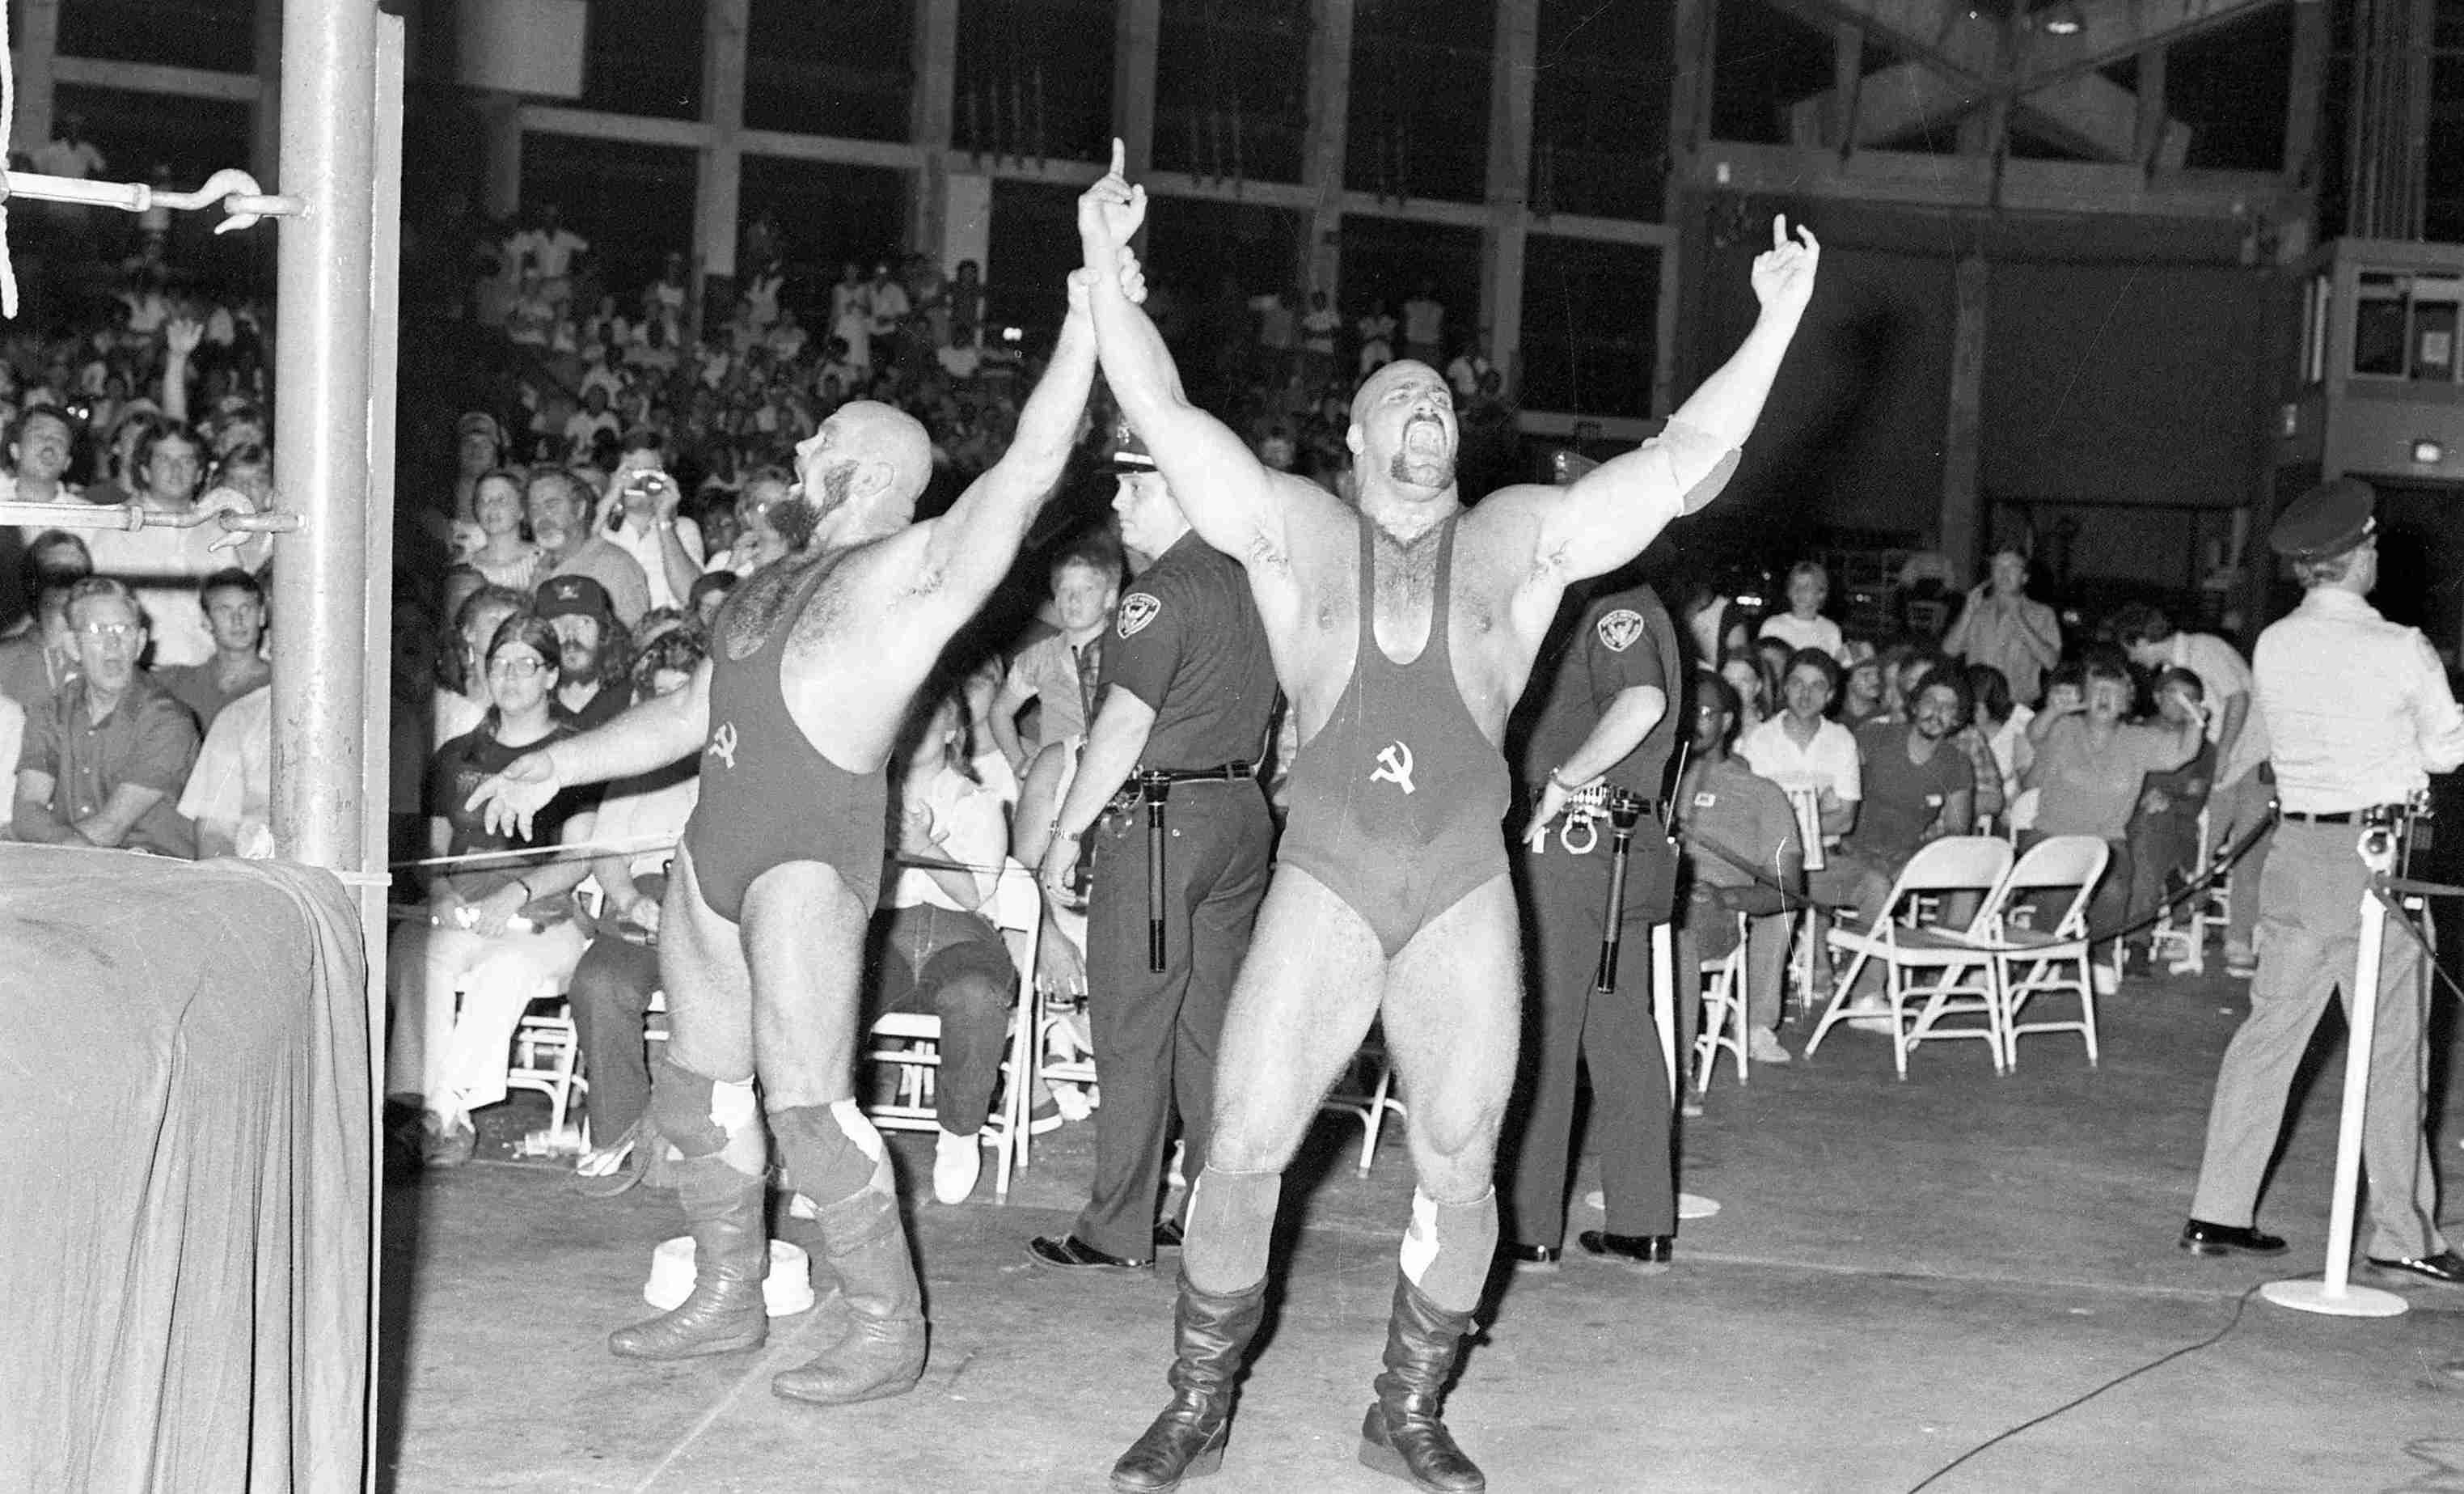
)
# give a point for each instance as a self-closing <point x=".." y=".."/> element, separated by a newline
<point x="2303" y="1294"/>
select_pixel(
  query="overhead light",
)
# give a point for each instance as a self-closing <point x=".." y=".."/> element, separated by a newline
<point x="2427" y="454"/>
<point x="2064" y="20"/>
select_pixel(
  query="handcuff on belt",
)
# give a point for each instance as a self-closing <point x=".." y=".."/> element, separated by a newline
<point x="1578" y="827"/>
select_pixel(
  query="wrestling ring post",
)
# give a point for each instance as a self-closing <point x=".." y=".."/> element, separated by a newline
<point x="2333" y="1294"/>
<point x="333" y="412"/>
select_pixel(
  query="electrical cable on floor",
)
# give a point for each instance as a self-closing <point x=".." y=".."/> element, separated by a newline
<point x="2241" y="1305"/>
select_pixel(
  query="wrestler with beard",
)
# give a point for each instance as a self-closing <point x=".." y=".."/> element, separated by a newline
<point x="817" y="659"/>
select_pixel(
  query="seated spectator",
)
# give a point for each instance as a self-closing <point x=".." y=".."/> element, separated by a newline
<point x="234" y="603"/>
<point x="582" y="428"/>
<point x="501" y="932"/>
<point x="1806" y="755"/>
<point x="1803" y="626"/>
<point x="560" y="506"/>
<point x="36" y="662"/>
<point x="1861" y="694"/>
<point x="42" y="448"/>
<point x="643" y="521"/>
<point x="462" y="697"/>
<point x="1743" y="856"/>
<point x="104" y="758"/>
<point x="229" y="794"/>
<point x="938" y="953"/>
<point x="1743" y="670"/>
<point x="2164" y="832"/>
<point x="2153" y="643"/>
<point x="163" y="566"/>
<point x="594" y="682"/>
<point x="1971" y="742"/>
<point x="2004" y="723"/>
<point x="1058" y="671"/>
<point x="709" y="594"/>
<point x="503" y="557"/>
<point x="2090" y="769"/>
<point x="611" y="986"/>
<point x="1918" y="787"/>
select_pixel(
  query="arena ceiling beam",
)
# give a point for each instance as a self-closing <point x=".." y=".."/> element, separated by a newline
<point x="2116" y="30"/>
<point x="2088" y="113"/>
<point x="1968" y="183"/>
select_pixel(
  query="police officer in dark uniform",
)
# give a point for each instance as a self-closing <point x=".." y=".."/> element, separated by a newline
<point x="1590" y="747"/>
<point x="1171" y="768"/>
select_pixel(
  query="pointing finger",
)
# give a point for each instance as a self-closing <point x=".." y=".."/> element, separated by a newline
<point x="1779" y="231"/>
<point x="1120" y="156"/>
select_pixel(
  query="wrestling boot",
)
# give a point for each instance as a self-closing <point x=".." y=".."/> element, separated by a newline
<point x="1210" y="1336"/>
<point x="723" y="1212"/>
<point x="1402" y="1434"/>
<point x="882" y="1350"/>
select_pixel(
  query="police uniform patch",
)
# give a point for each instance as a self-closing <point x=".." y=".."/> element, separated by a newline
<point x="1621" y="628"/>
<point x="1138" y="609"/>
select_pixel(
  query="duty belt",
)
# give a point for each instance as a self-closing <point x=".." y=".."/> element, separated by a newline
<point x="1153" y="787"/>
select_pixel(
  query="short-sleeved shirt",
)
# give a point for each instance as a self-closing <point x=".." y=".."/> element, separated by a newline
<point x="1187" y="640"/>
<point x="197" y="687"/>
<point x="456" y="771"/>
<point x="1597" y="649"/>
<point x="149" y="740"/>
<point x="2085" y="791"/>
<point x="1046" y="672"/>
<point x="2222" y="675"/>
<point x="2357" y="707"/>
<point x="1830" y="761"/>
<point x="1729" y="806"/>
<point x="1904" y="799"/>
<point x="27" y="672"/>
<point x="234" y="779"/>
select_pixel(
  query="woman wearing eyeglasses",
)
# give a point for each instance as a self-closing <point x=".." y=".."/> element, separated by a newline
<point x="498" y="932"/>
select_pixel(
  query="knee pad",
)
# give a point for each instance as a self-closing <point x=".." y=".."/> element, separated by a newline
<point x="832" y="1151"/>
<point x="695" y="1113"/>
<point x="1231" y="1219"/>
<point x="1448" y="1248"/>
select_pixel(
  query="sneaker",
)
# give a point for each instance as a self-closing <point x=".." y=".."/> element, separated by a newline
<point x="957" y="1160"/>
<point x="1763" y="1046"/>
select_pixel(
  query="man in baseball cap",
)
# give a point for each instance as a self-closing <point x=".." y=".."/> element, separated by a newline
<point x="591" y="688"/>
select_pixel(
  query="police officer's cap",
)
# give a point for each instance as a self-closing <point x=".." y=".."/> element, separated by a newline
<point x="1128" y="453"/>
<point x="2326" y="522"/>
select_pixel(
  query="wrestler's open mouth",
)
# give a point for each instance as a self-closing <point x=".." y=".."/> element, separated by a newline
<point x="1425" y="428"/>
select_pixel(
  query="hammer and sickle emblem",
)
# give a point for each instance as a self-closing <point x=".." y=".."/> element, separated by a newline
<point x="1394" y="766"/>
<point x="722" y="745"/>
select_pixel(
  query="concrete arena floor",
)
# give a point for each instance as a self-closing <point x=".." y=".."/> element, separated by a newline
<point x="1899" y="1272"/>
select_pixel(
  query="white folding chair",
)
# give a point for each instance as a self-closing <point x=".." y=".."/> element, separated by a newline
<point x="911" y="1043"/>
<point x="2054" y="959"/>
<point x="547" y="1059"/>
<point x="1724" y="1013"/>
<point x="1923" y="961"/>
<point x="2180" y="943"/>
<point x="1366" y="1092"/>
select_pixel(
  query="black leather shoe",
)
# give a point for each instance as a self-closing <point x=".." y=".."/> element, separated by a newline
<point x="1168" y="1234"/>
<point x="1071" y="1254"/>
<point x="2201" y="1239"/>
<point x="1533" y="1255"/>
<point x="1644" y="1250"/>
<point x="2446" y="1268"/>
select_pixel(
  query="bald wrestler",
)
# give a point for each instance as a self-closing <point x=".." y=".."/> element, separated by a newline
<point x="1402" y="633"/>
<point x="813" y="664"/>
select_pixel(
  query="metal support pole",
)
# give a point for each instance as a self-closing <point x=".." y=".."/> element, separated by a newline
<point x="321" y="430"/>
<point x="2334" y="1293"/>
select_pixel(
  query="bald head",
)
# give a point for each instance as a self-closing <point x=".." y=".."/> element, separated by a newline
<point x="868" y="454"/>
<point x="872" y="432"/>
<point x="1405" y="370"/>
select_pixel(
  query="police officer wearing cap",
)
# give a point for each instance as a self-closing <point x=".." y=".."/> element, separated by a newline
<point x="2359" y="713"/>
<point x="1594" y="729"/>
<point x="1171" y="766"/>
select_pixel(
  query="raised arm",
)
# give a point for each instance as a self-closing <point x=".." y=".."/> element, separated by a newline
<point x="979" y="538"/>
<point x="1616" y="510"/>
<point x="1230" y="498"/>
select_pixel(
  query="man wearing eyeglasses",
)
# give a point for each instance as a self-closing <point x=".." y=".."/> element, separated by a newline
<point x="105" y="757"/>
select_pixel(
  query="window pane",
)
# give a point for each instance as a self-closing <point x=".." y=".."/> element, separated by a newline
<point x="823" y="216"/>
<point x="1590" y="326"/>
<point x="1033" y="247"/>
<point x="1420" y="99"/>
<point x="190" y="139"/>
<point x="643" y="57"/>
<point x="1599" y="106"/>
<point x="2378" y="326"/>
<point x="634" y="203"/>
<point x="847" y="72"/>
<point x="1390" y="263"/>
<point x="216" y="35"/>
<point x="1232" y="89"/>
<point x="1035" y="78"/>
